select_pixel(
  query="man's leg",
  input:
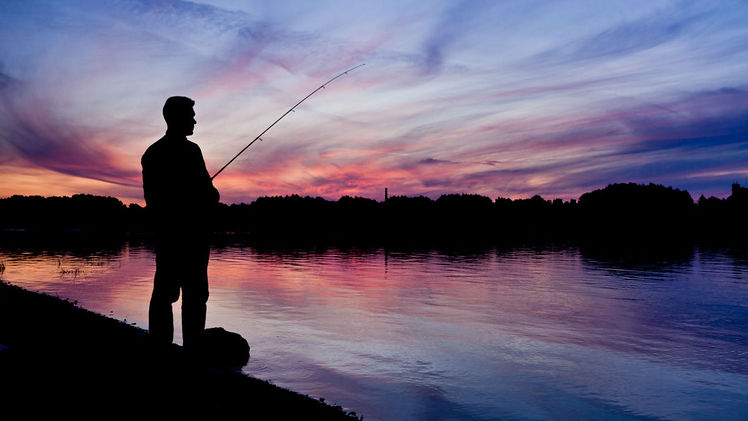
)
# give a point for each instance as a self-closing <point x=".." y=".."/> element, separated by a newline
<point x="195" y="294"/>
<point x="165" y="293"/>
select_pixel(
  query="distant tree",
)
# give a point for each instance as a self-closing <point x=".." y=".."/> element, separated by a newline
<point x="633" y="210"/>
<point x="618" y="212"/>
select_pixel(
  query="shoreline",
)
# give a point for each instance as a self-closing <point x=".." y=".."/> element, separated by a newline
<point x="58" y="358"/>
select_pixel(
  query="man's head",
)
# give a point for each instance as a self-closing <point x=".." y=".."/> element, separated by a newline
<point x="179" y="115"/>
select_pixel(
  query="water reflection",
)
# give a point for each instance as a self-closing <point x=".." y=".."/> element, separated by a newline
<point x="488" y="333"/>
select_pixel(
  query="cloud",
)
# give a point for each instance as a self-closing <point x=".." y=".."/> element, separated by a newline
<point x="511" y="99"/>
<point x="31" y="131"/>
<point x="432" y="161"/>
<point x="627" y="38"/>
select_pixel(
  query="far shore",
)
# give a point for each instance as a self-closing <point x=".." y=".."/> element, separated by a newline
<point x="57" y="358"/>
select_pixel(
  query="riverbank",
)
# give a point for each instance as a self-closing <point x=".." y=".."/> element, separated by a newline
<point x="56" y="358"/>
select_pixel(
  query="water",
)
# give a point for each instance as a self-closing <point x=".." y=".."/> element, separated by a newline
<point x="524" y="333"/>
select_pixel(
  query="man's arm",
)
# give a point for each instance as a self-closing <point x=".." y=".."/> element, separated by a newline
<point x="158" y="190"/>
<point x="209" y="191"/>
<point x="148" y="181"/>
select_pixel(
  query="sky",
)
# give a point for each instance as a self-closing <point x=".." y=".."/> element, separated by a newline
<point x="499" y="98"/>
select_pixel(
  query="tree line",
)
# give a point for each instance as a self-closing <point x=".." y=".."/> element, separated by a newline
<point x="618" y="212"/>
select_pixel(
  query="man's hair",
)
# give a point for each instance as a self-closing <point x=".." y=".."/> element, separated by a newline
<point x="176" y="107"/>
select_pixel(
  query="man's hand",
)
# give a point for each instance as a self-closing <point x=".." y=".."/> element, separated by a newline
<point x="215" y="196"/>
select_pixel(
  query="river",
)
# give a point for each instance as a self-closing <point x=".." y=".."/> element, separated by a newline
<point x="525" y="333"/>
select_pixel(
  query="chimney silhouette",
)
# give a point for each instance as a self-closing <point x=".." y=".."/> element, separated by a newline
<point x="385" y="194"/>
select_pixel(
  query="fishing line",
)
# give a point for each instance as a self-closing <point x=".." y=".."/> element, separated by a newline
<point x="281" y="117"/>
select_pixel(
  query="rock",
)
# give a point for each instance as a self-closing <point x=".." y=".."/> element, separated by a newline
<point x="223" y="348"/>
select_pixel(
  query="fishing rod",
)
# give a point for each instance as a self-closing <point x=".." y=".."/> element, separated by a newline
<point x="259" y="136"/>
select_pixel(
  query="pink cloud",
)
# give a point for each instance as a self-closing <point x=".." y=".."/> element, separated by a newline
<point x="32" y="132"/>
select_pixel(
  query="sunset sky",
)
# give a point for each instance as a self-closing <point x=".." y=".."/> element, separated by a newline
<point x="507" y="99"/>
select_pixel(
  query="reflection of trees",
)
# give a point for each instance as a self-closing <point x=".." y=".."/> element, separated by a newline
<point x="617" y="213"/>
<point x="625" y="256"/>
<point x="73" y="245"/>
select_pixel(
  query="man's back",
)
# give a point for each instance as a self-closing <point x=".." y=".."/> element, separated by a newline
<point x="176" y="184"/>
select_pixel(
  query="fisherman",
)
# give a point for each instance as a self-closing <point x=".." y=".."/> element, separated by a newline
<point x="179" y="196"/>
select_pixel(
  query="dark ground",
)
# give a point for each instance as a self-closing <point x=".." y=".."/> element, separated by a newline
<point x="60" y="360"/>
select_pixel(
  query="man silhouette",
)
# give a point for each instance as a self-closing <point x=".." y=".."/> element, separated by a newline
<point x="179" y="196"/>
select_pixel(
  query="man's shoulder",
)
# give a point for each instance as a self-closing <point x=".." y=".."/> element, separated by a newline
<point x="192" y="145"/>
<point x="193" y="148"/>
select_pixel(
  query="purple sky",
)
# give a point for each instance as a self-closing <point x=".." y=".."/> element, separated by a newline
<point x="504" y="99"/>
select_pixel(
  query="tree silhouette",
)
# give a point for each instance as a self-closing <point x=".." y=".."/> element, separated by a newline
<point x="618" y="212"/>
